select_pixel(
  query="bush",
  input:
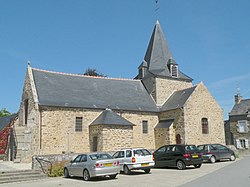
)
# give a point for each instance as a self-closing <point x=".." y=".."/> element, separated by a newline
<point x="57" y="169"/>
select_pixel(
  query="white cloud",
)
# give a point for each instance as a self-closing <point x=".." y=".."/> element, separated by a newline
<point x="229" y="81"/>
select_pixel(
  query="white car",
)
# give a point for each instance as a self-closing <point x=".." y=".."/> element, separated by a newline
<point x="134" y="159"/>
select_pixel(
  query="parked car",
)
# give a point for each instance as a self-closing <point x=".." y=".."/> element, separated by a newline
<point x="92" y="165"/>
<point x="134" y="159"/>
<point x="178" y="156"/>
<point x="214" y="152"/>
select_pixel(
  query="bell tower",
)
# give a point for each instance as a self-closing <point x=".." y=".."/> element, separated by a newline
<point x="159" y="71"/>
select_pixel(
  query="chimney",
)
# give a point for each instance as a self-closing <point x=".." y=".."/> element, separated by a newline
<point x="237" y="98"/>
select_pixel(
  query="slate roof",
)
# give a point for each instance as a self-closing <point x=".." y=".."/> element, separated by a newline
<point x="178" y="99"/>
<point x="67" y="90"/>
<point x="164" y="123"/>
<point x="108" y="117"/>
<point x="4" y="121"/>
<point x="241" y="108"/>
<point x="158" y="55"/>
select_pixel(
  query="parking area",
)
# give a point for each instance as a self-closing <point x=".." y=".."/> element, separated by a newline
<point x="167" y="177"/>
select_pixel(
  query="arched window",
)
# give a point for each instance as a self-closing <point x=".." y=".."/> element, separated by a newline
<point x="204" y="124"/>
<point x="178" y="139"/>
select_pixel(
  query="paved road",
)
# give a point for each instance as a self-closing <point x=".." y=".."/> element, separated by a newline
<point x="158" y="177"/>
<point x="234" y="175"/>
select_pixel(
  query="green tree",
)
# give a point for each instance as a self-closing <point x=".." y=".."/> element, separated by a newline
<point x="4" y="112"/>
<point x="93" y="72"/>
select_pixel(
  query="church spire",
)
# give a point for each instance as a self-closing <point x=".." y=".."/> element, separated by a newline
<point x="158" y="52"/>
<point x="158" y="59"/>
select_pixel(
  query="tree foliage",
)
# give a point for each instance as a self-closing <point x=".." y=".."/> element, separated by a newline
<point x="93" y="72"/>
<point x="4" y="112"/>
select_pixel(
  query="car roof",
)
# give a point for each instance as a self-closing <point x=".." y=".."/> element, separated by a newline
<point x="135" y="148"/>
<point x="179" y="145"/>
<point x="210" y="144"/>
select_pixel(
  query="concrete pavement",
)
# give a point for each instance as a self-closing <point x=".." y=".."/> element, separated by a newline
<point x="236" y="174"/>
<point x="158" y="177"/>
<point x="10" y="166"/>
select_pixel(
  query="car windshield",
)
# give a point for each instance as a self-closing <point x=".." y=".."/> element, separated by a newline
<point x="191" y="148"/>
<point x="100" y="156"/>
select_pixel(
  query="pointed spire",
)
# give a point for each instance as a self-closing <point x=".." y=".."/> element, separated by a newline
<point x="158" y="59"/>
<point x="158" y="53"/>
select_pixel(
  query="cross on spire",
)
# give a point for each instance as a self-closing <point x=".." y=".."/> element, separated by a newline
<point x="156" y="8"/>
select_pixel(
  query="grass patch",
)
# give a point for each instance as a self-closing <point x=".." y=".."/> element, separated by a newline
<point x="56" y="169"/>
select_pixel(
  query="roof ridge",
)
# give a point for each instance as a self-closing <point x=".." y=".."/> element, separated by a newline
<point x="192" y="87"/>
<point x="81" y="75"/>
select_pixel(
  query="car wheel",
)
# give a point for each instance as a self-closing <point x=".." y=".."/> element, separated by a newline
<point x="180" y="165"/>
<point x="126" y="170"/>
<point x="147" y="170"/>
<point x="66" y="173"/>
<point x="86" y="176"/>
<point x="197" y="165"/>
<point x="113" y="176"/>
<point x="212" y="159"/>
<point x="232" y="157"/>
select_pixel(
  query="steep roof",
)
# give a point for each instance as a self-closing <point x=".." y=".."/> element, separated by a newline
<point x="163" y="124"/>
<point x="178" y="99"/>
<point x="241" y="108"/>
<point x="68" y="90"/>
<point x="4" y="121"/>
<point x="158" y="55"/>
<point x="108" y="117"/>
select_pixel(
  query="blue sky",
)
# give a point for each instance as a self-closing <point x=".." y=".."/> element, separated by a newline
<point x="210" y="40"/>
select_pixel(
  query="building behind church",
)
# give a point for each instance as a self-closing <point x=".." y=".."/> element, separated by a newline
<point x="237" y="126"/>
<point x="62" y="112"/>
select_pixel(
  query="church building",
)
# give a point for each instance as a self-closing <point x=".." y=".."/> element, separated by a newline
<point x="61" y="112"/>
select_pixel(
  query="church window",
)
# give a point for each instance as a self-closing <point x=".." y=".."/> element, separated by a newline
<point x="141" y="72"/>
<point x="144" y="127"/>
<point x="26" y="105"/>
<point x="174" y="70"/>
<point x="78" y="124"/>
<point x="204" y="124"/>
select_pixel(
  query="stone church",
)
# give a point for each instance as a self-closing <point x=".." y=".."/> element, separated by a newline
<point x="62" y="112"/>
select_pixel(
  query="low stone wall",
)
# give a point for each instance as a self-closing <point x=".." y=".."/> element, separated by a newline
<point x="43" y="162"/>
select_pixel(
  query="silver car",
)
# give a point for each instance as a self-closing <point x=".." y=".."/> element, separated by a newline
<point x="92" y="165"/>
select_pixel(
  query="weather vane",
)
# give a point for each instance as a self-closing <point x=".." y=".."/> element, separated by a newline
<point x="156" y="8"/>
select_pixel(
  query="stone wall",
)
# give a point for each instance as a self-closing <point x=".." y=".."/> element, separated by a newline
<point x="111" y="137"/>
<point x="58" y="130"/>
<point x="140" y="139"/>
<point x="177" y="127"/>
<point x="44" y="162"/>
<point x="165" y="87"/>
<point x="201" y="104"/>
<point x="237" y="135"/>
<point x="161" y="137"/>
<point x="30" y="145"/>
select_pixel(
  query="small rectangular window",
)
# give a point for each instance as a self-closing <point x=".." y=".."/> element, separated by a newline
<point x="204" y="123"/>
<point x="144" y="127"/>
<point x="78" y="125"/>
<point x="242" y="126"/>
<point x="174" y="71"/>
